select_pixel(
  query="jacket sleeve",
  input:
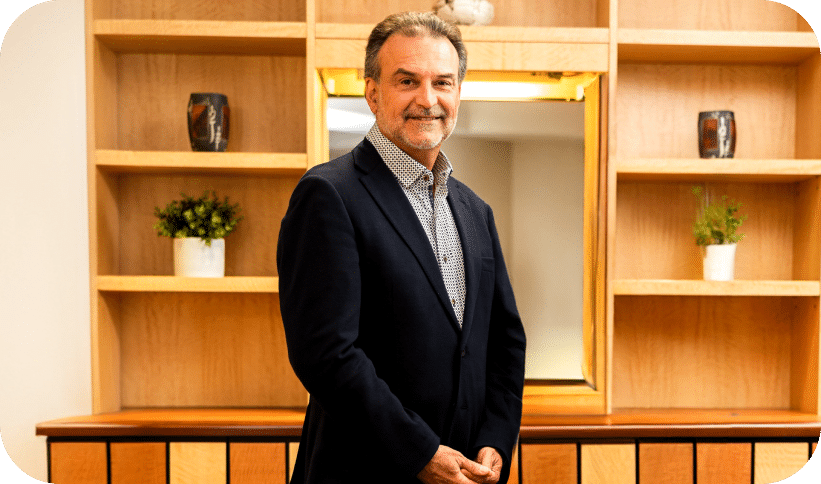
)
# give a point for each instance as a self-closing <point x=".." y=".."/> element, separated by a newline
<point x="320" y="292"/>
<point x="505" y="363"/>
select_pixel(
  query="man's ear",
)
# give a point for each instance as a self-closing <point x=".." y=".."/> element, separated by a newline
<point x="371" y="94"/>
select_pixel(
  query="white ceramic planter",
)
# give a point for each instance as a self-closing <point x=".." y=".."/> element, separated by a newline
<point x="193" y="258"/>
<point x="719" y="262"/>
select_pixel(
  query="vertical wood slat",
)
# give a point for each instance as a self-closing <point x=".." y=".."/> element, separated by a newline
<point x="514" y="467"/>
<point x="138" y="463"/>
<point x="776" y="461"/>
<point x="608" y="464"/>
<point x="720" y="463"/>
<point x="666" y="463"/>
<point x="554" y="463"/>
<point x="293" y="448"/>
<point x="257" y="463"/>
<point x="198" y="463"/>
<point x="79" y="462"/>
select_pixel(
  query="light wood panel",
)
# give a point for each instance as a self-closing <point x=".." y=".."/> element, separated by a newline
<point x="523" y="13"/>
<point x="707" y="15"/>
<point x="804" y="368"/>
<point x="649" y="246"/>
<point x="138" y="463"/>
<point x="808" y="116"/>
<point x="105" y="353"/>
<point x="257" y="463"/>
<point x="250" y="249"/>
<point x="667" y="349"/>
<point x="657" y="108"/>
<point x="197" y="463"/>
<point x="776" y="461"/>
<point x="486" y="56"/>
<point x="221" y="350"/>
<point x="79" y="463"/>
<point x="266" y="95"/>
<point x="554" y="463"/>
<point x="665" y="463"/>
<point x="279" y="11"/>
<point x="720" y="463"/>
<point x="608" y="464"/>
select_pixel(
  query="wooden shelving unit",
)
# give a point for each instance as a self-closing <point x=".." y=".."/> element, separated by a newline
<point x="662" y="70"/>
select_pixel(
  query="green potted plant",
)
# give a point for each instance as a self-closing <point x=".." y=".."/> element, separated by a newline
<point x="199" y="227"/>
<point x="716" y="229"/>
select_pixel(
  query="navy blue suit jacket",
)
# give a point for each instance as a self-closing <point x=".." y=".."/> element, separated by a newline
<point x="373" y="337"/>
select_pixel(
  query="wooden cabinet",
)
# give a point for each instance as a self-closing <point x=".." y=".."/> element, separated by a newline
<point x="678" y="341"/>
<point x="160" y="341"/>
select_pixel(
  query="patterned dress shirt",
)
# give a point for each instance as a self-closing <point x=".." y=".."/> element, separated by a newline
<point x="427" y="192"/>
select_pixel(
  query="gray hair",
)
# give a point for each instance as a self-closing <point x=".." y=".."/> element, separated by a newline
<point x="412" y="24"/>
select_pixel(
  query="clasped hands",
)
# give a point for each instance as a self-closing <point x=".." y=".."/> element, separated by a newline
<point x="450" y="466"/>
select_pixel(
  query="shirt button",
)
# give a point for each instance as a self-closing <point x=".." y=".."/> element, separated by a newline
<point x="426" y="178"/>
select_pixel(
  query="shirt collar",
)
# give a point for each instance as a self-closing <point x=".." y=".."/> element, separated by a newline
<point x="404" y="168"/>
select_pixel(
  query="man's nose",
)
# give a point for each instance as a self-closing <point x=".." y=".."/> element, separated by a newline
<point x="426" y="96"/>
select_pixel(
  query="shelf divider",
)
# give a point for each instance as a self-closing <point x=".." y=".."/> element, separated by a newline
<point x="727" y="47"/>
<point x="725" y="169"/>
<point x="203" y="36"/>
<point x="668" y="287"/>
<point x="188" y="284"/>
<point x="227" y="162"/>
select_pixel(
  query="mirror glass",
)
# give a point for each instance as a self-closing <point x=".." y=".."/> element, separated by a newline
<point x="526" y="160"/>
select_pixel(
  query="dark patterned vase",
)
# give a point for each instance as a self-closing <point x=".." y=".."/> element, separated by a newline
<point x="716" y="134"/>
<point x="208" y="115"/>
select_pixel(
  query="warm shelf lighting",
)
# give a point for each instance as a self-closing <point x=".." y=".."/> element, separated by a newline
<point x="484" y="85"/>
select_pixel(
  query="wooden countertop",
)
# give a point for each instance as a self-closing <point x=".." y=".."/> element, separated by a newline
<point x="287" y="424"/>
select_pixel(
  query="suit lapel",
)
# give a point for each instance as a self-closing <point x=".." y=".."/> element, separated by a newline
<point x="388" y="195"/>
<point x="462" y="215"/>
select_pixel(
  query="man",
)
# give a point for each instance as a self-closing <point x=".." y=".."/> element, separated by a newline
<point x="398" y="312"/>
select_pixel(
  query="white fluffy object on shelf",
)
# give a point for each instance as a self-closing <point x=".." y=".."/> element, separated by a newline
<point x="464" y="12"/>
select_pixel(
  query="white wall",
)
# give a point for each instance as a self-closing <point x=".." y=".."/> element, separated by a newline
<point x="547" y="206"/>
<point x="44" y="348"/>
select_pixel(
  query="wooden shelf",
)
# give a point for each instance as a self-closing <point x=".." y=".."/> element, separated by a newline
<point x="638" y="287"/>
<point x="622" y="423"/>
<point x="673" y="423"/>
<point x="210" y="422"/>
<point x="187" y="284"/>
<point x="726" y="47"/>
<point x="203" y="36"/>
<point x="483" y="34"/>
<point x="726" y="169"/>
<point x="227" y="163"/>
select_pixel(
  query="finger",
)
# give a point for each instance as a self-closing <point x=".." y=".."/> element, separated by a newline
<point x="476" y="471"/>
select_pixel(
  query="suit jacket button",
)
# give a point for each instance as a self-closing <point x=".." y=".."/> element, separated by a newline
<point x="464" y="352"/>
